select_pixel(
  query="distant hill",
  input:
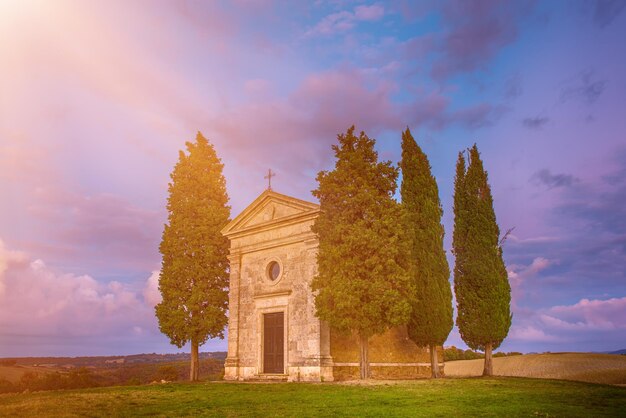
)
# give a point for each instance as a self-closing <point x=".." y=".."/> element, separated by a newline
<point x="107" y="361"/>
<point x="622" y="352"/>
<point x="50" y="373"/>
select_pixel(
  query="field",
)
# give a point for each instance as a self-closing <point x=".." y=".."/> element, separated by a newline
<point x="445" y="397"/>
<point x="19" y="374"/>
<point x="584" y="367"/>
<point x="14" y="373"/>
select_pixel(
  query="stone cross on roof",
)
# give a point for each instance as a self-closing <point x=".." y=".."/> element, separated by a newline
<point x="269" y="176"/>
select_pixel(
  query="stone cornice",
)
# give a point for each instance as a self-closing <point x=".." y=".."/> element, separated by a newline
<point x="274" y="224"/>
<point x="309" y="238"/>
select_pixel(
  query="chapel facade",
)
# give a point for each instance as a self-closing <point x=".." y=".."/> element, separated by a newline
<point x="273" y="333"/>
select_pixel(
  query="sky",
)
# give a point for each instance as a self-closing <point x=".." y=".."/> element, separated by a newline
<point x="97" y="98"/>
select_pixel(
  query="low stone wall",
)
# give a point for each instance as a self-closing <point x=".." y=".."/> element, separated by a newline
<point x="392" y="355"/>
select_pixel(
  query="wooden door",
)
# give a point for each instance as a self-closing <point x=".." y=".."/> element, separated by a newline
<point x="273" y="343"/>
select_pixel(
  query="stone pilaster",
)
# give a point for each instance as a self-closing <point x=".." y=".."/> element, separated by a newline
<point x="231" y="366"/>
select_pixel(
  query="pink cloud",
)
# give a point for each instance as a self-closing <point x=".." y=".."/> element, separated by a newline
<point x="595" y="319"/>
<point x="8" y="258"/>
<point x="531" y="333"/>
<point x="151" y="294"/>
<point x="37" y="301"/>
<point x="538" y="264"/>
<point x="589" y="315"/>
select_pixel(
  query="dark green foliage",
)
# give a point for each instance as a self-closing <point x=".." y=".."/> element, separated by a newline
<point x="362" y="283"/>
<point x="431" y="318"/>
<point x="194" y="272"/>
<point x="481" y="285"/>
<point x="452" y="353"/>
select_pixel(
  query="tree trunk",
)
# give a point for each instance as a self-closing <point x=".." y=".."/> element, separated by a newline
<point x="364" y="364"/>
<point x="434" y="362"/>
<point x="193" y="372"/>
<point x="488" y="370"/>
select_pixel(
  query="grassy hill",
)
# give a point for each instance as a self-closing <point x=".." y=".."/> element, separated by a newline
<point x="584" y="367"/>
<point x="509" y="397"/>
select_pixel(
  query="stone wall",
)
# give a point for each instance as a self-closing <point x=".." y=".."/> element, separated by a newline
<point x="392" y="355"/>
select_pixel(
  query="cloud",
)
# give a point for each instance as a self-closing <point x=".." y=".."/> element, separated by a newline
<point x="546" y="178"/>
<point x="530" y="333"/>
<point x="562" y="283"/>
<point x="344" y="20"/>
<point x="476" y="116"/>
<point x="519" y="276"/>
<point x="606" y="11"/>
<point x="587" y="324"/>
<point x="294" y="133"/>
<point x="151" y="294"/>
<point x="39" y="302"/>
<point x="8" y="258"/>
<point x="585" y="88"/>
<point x="477" y="31"/>
<point x="589" y="314"/>
<point x="536" y="122"/>
<point x="97" y="228"/>
<point x="369" y="13"/>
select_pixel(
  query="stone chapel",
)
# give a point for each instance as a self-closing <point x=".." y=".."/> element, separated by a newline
<point x="273" y="333"/>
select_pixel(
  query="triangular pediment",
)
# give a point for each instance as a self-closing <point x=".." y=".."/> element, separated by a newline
<point x="269" y="208"/>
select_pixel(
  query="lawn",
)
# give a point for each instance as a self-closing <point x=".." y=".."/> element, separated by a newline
<point x="447" y="397"/>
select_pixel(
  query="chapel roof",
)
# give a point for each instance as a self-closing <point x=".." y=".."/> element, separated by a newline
<point x="269" y="209"/>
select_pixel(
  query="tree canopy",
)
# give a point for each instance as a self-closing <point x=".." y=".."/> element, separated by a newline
<point x="431" y="315"/>
<point x="481" y="285"/>
<point x="362" y="282"/>
<point x="194" y="270"/>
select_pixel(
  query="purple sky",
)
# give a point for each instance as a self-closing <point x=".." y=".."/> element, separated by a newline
<point x="96" y="99"/>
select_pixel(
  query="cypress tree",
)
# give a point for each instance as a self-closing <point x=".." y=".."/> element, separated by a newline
<point x="194" y="270"/>
<point x="431" y="318"/>
<point x="481" y="285"/>
<point x="362" y="284"/>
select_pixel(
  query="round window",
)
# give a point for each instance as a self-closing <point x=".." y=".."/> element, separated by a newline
<point x="273" y="270"/>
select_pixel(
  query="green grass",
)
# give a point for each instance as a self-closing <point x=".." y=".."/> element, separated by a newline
<point x="507" y="397"/>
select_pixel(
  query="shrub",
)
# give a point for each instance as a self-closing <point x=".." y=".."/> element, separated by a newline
<point x="167" y="372"/>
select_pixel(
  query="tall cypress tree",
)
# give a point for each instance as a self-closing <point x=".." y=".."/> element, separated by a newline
<point x="481" y="285"/>
<point x="362" y="283"/>
<point x="194" y="270"/>
<point x="431" y="318"/>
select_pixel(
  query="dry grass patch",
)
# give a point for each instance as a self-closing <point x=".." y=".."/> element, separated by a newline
<point x="584" y="367"/>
